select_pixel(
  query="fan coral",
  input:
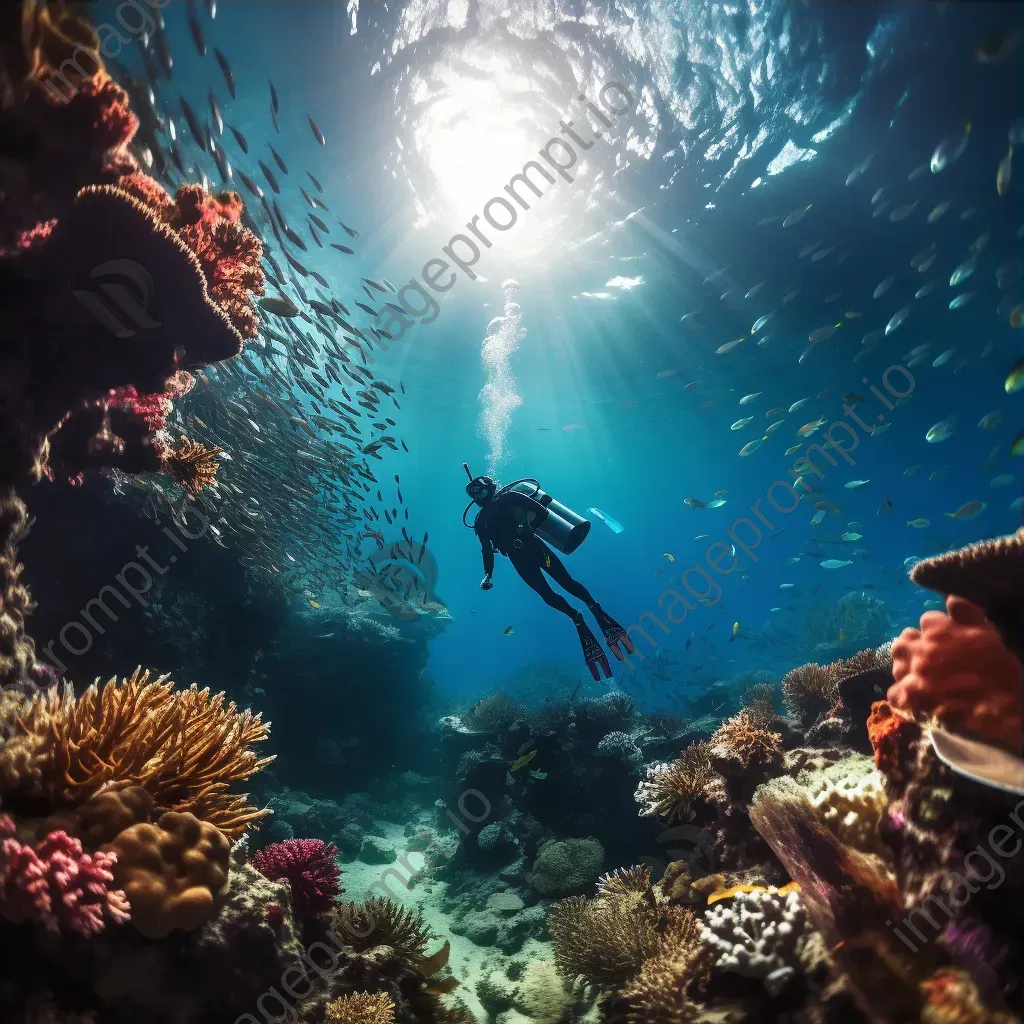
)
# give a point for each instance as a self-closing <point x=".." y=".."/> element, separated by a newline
<point x="957" y="669"/>
<point x="191" y="465"/>
<point x="362" y="1008"/>
<point x="758" y="934"/>
<point x="58" y="885"/>
<point x="740" y="742"/>
<point x="175" y="873"/>
<point x="309" y="867"/>
<point x="563" y="866"/>
<point x="379" y="921"/>
<point x="810" y="690"/>
<point x="183" y="747"/>
<point x="624" y="881"/>
<point x="987" y="574"/>
<point x="671" y="789"/>
<point x="604" y="941"/>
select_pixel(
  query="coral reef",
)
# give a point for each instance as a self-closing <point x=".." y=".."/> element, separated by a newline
<point x="362" y="1008"/>
<point x="56" y="884"/>
<point x="309" y="867"/>
<point x="809" y="691"/>
<point x="565" y="866"/>
<point x="987" y="574"/>
<point x="172" y="743"/>
<point x="758" y="934"/>
<point x="671" y="790"/>
<point x="957" y="669"/>
<point x="174" y="873"/>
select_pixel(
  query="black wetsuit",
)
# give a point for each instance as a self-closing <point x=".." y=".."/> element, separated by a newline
<point x="503" y="525"/>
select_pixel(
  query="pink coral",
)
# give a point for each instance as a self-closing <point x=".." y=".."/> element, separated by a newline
<point x="308" y="865"/>
<point x="957" y="668"/>
<point x="57" y="884"/>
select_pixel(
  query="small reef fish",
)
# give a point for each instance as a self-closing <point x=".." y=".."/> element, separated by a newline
<point x="509" y="631"/>
<point x="990" y="420"/>
<point x="941" y="430"/>
<point x="694" y="503"/>
<point x="918" y="524"/>
<point x="856" y="485"/>
<point x="835" y="563"/>
<point x="968" y="510"/>
<point x="1015" y="378"/>
<point x="521" y="762"/>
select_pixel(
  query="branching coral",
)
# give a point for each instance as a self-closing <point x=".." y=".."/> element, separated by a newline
<point x="603" y="941"/>
<point x="310" y="869"/>
<point x="362" y="1008"/>
<point x="191" y="465"/>
<point x="622" y="746"/>
<point x="17" y="652"/>
<point x="757" y="934"/>
<point x="56" y="884"/>
<point x="810" y="690"/>
<point x="660" y="992"/>
<point x="379" y="921"/>
<point x="957" y="669"/>
<point x="183" y="747"/>
<point x="625" y="881"/>
<point x="740" y="742"/>
<point x="671" y="789"/>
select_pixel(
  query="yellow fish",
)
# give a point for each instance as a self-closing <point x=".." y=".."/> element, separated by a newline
<point x="668" y="556"/>
<point x="313" y="604"/>
<point x="519" y="762"/>
<point x="842" y="635"/>
<point x="735" y="628"/>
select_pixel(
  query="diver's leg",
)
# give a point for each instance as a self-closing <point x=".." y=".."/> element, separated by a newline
<point x="614" y="634"/>
<point x="528" y="565"/>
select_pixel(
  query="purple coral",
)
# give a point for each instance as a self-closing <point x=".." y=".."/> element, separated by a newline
<point x="57" y="884"/>
<point x="309" y="867"/>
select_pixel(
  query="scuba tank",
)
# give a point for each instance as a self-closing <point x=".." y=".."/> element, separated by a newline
<point x="559" y="525"/>
<point x="562" y="528"/>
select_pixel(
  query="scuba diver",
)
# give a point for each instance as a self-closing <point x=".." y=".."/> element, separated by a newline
<point x="513" y="520"/>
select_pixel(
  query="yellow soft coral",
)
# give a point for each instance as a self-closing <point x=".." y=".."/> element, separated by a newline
<point x="174" y="873"/>
<point x="184" y="747"/>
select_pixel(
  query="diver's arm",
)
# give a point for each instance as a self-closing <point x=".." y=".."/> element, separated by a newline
<point x="487" y="550"/>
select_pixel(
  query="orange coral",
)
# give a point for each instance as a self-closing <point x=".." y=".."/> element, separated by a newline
<point x="741" y="738"/>
<point x="890" y="732"/>
<point x="957" y="669"/>
<point x="210" y="225"/>
<point x="174" y="873"/>
<point x="952" y="997"/>
<point x="191" y="465"/>
<point x="183" y="747"/>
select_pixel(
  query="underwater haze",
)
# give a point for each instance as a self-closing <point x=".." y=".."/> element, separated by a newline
<point x="767" y="160"/>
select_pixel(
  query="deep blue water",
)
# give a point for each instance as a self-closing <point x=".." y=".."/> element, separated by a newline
<point x="430" y="108"/>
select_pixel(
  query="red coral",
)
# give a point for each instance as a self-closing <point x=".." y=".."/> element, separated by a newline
<point x="210" y="226"/>
<point x="309" y="867"/>
<point x="957" y="669"/>
<point x="891" y="733"/>
<point x="58" y="885"/>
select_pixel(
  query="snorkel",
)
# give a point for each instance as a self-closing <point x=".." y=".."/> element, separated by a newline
<point x="481" y="490"/>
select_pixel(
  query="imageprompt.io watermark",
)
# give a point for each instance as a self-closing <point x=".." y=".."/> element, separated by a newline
<point x="401" y="568"/>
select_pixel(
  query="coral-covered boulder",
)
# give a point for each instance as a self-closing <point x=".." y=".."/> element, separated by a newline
<point x="957" y="669"/>
<point x="175" y="873"/>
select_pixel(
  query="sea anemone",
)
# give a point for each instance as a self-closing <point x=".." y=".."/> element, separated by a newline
<point x="671" y="789"/>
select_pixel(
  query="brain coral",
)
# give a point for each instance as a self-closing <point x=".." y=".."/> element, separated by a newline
<point x="174" y="873"/>
<point x="566" y="865"/>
